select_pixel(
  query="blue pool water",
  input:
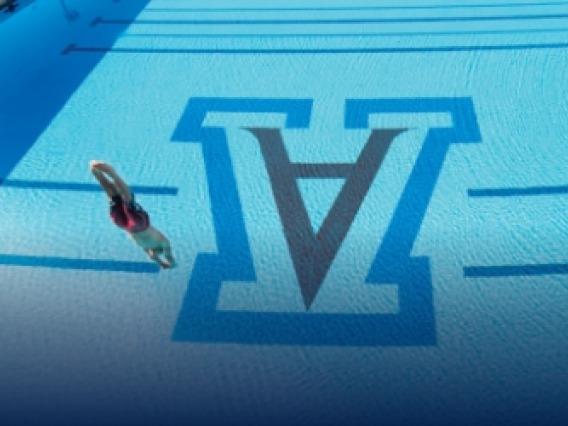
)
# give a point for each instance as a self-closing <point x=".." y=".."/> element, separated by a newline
<point x="367" y="201"/>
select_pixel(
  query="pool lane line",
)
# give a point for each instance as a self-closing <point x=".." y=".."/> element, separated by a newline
<point x="518" y="192"/>
<point x="337" y="35"/>
<point x="349" y="21"/>
<point x="352" y="8"/>
<point x="82" y="187"/>
<point x="78" y="264"/>
<point x="72" y="48"/>
<point x="515" y="270"/>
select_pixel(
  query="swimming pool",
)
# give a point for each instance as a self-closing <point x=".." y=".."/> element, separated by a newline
<point x="367" y="202"/>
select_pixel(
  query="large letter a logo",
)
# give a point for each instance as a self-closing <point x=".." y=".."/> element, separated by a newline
<point x="312" y="254"/>
<point x="315" y="256"/>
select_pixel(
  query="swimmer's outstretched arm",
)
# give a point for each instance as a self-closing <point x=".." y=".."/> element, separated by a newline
<point x="120" y="185"/>
<point x="109" y="187"/>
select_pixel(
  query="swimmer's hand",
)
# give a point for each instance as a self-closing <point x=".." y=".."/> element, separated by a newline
<point x="100" y="165"/>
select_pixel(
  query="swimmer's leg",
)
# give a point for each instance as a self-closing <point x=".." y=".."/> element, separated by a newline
<point x="153" y="255"/>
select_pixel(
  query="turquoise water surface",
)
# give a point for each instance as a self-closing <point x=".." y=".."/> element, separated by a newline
<point x="367" y="201"/>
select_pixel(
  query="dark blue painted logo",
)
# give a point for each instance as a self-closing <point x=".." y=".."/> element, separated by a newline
<point x="201" y="320"/>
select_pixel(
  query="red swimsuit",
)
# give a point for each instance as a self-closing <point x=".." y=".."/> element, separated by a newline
<point x="129" y="216"/>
